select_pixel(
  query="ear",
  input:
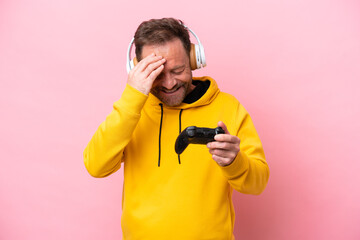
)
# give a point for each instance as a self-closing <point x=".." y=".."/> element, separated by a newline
<point x="193" y="63"/>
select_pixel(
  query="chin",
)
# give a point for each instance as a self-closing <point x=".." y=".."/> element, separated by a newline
<point x="172" y="104"/>
<point x="172" y="101"/>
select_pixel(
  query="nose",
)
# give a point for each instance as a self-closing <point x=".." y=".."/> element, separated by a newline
<point x="168" y="81"/>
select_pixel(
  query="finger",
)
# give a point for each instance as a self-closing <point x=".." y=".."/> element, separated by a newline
<point x="153" y="66"/>
<point x="226" y="146"/>
<point x="220" y="145"/>
<point x="223" y="153"/>
<point x="146" y="61"/>
<point x="154" y="74"/>
<point x="221" y="160"/>
<point x="223" y="126"/>
<point x="227" y="138"/>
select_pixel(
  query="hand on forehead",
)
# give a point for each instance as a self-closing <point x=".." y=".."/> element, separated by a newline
<point x="172" y="50"/>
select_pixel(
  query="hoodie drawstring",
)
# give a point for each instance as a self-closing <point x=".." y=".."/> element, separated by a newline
<point x="162" y="113"/>
<point x="161" y="120"/>
<point x="180" y="130"/>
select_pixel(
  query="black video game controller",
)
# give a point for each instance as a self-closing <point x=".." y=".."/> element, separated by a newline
<point x="196" y="135"/>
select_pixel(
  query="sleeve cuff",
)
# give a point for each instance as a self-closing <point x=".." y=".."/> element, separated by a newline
<point x="131" y="100"/>
<point x="237" y="167"/>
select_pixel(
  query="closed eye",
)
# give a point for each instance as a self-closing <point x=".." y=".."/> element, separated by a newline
<point x="178" y="71"/>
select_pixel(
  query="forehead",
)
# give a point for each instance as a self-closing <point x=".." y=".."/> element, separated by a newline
<point x="172" y="51"/>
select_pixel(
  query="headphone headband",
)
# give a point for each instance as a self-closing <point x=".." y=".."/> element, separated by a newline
<point x="129" y="63"/>
<point x="198" y="48"/>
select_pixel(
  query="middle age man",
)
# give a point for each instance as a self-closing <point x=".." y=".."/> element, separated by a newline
<point x="165" y="195"/>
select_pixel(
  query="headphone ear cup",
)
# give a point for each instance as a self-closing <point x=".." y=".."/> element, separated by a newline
<point x="131" y="64"/>
<point x="193" y="63"/>
<point x="202" y="53"/>
<point x="135" y="61"/>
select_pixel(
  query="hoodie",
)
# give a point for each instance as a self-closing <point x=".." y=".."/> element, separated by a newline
<point x="167" y="196"/>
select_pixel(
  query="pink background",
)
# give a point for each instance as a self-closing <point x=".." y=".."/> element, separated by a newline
<point x="295" y="65"/>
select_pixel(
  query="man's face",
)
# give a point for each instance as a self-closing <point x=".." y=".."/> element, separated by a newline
<point x="174" y="82"/>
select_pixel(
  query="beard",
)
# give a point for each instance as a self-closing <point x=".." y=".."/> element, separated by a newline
<point x="172" y="97"/>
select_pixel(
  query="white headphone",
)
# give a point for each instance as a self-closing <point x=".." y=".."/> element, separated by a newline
<point x="197" y="54"/>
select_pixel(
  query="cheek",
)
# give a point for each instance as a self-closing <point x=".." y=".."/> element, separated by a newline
<point x="186" y="77"/>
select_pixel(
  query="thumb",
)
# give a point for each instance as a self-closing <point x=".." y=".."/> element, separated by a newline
<point x="223" y="126"/>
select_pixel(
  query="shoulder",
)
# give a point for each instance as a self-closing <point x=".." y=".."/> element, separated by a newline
<point x="228" y="100"/>
<point x="227" y="97"/>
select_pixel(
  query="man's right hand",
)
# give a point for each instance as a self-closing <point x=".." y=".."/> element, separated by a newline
<point x="142" y="76"/>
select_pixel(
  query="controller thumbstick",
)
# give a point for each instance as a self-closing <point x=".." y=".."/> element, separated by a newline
<point x="191" y="131"/>
<point x="219" y="130"/>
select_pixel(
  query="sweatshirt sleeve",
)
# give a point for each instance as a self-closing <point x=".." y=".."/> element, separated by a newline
<point x="103" y="154"/>
<point x="249" y="172"/>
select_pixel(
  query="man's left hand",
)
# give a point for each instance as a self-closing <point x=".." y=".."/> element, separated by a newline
<point x="225" y="147"/>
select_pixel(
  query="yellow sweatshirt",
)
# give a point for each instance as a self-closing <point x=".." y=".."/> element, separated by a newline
<point x="166" y="197"/>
